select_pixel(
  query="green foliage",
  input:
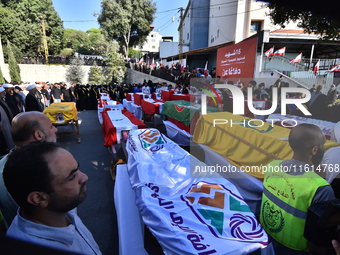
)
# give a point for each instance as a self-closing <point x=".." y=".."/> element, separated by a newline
<point x="21" y="24"/>
<point x="95" y="75"/>
<point x="135" y="53"/>
<point x="94" y="35"/>
<point x="75" y="71"/>
<point x="103" y="46"/>
<point x="91" y="42"/>
<point x="66" y="52"/>
<point x="77" y="40"/>
<point x="326" y="27"/>
<point x="14" y="69"/>
<point x="127" y="21"/>
<point x="11" y="27"/>
<point x="115" y="69"/>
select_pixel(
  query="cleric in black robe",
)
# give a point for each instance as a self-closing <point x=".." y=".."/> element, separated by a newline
<point x="31" y="101"/>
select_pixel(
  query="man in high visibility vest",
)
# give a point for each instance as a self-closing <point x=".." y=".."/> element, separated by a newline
<point x="290" y="187"/>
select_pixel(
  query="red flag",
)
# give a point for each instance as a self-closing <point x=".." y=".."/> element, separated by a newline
<point x="280" y="52"/>
<point x="316" y="67"/>
<point x="153" y="63"/>
<point x="335" y="68"/>
<point x="206" y="69"/>
<point x="269" y="52"/>
<point x="297" y="59"/>
<point x="141" y="60"/>
<point x="184" y="61"/>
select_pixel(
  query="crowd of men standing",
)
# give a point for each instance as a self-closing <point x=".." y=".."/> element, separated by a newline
<point x="17" y="98"/>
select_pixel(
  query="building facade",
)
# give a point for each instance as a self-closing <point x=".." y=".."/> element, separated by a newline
<point x="151" y="43"/>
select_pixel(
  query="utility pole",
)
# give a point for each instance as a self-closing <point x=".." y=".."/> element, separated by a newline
<point x="44" y="40"/>
<point x="180" y="49"/>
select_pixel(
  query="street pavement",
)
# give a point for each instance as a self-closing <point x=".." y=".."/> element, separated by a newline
<point x="97" y="212"/>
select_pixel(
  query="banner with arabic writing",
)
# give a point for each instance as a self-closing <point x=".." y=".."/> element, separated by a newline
<point x="237" y="61"/>
<point x="187" y="213"/>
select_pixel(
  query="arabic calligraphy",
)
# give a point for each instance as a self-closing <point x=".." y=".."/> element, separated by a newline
<point x="230" y="71"/>
<point x="235" y="52"/>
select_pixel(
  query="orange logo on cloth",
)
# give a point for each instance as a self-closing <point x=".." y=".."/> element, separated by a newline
<point x="152" y="140"/>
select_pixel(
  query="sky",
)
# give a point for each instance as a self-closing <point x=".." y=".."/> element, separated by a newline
<point x="79" y="14"/>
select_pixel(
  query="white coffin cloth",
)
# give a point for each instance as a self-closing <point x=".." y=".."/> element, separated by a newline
<point x="179" y="136"/>
<point x="325" y="126"/>
<point x="130" y="226"/>
<point x="133" y="108"/>
<point x="249" y="187"/>
<point x="120" y="122"/>
<point x="127" y="105"/>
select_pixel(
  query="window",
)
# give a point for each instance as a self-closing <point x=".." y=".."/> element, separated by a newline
<point x="255" y="26"/>
<point x="187" y="36"/>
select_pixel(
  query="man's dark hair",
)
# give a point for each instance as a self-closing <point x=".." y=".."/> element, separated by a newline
<point x="304" y="136"/>
<point x="23" y="133"/>
<point x="27" y="170"/>
<point x="253" y="83"/>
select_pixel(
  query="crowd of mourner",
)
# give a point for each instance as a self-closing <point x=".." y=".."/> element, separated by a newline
<point x="16" y="98"/>
<point x="21" y="107"/>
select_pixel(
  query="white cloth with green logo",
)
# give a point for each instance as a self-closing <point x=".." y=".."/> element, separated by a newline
<point x="186" y="212"/>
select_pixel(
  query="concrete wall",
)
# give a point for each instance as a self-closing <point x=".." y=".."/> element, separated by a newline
<point x="51" y="73"/>
<point x="134" y="76"/>
<point x="56" y="73"/>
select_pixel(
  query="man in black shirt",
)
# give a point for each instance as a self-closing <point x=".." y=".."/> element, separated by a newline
<point x="46" y="94"/>
<point x="65" y="93"/>
<point x="56" y="93"/>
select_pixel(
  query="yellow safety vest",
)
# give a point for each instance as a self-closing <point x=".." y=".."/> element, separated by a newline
<point x="285" y="202"/>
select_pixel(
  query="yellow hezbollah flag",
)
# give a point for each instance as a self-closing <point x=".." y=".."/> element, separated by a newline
<point x="60" y="113"/>
<point x="244" y="141"/>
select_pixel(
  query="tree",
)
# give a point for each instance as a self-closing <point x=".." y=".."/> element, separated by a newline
<point x="327" y="27"/>
<point x="114" y="71"/>
<point x="104" y="46"/>
<point x="127" y="21"/>
<point x="67" y="52"/>
<point x="11" y="28"/>
<point x="75" y="71"/>
<point x="95" y="75"/>
<point x="135" y="53"/>
<point x="91" y="42"/>
<point x="28" y="33"/>
<point x="14" y="69"/>
<point x="77" y="40"/>
<point x="94" y="35"/>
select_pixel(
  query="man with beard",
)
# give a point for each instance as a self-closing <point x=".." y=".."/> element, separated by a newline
<point x="32" y="102"/>
<point x="290" y="187"/>
<point x="13" y="99"/>
<point x="26" y="127"/>
<point x="46" y="182"/>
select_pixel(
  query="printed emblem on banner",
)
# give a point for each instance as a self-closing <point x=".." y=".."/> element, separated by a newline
<point x="225" y="214"/>
<point x="272" y="218"/>
<point x="151" y="140"/>
<point x="179" y="108"/>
